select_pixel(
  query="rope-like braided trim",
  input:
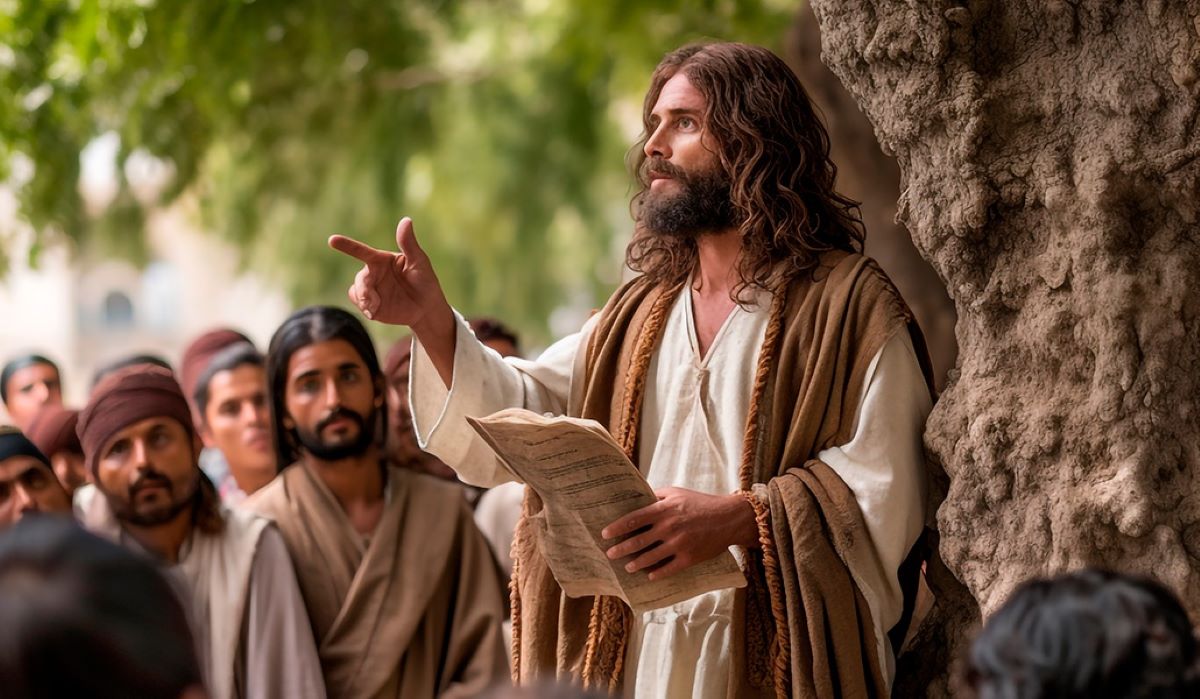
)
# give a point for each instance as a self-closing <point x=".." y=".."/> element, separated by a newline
<point x="593" y="641"/>
<point x="635" y="382"/>
<point x="780" y="649"/>
<point x="607" y="614"/>
<point x="514" y="606"/>
<point x="609" y="623"/>
<point x="781" y="644"/>
<point x="608" y="634"/>
<point x="761" y="374"/>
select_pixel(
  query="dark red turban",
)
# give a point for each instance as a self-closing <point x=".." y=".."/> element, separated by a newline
<point x="53" y="430"/>
<point x="127" y="396"/>
<point x="198" y="355"/>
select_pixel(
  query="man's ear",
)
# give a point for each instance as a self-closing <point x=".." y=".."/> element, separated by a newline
<point x="197" y="445"/>
<point x="206" y="436"/>
<point x="380" y="391"/>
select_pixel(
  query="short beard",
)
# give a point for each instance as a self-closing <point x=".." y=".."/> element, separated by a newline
<point x="124" y="510"/>
<point x="317" y="447"/>
<point x="704" y="206"/>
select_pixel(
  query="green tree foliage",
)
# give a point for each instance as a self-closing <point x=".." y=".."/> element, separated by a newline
<point x="500" y="127"/>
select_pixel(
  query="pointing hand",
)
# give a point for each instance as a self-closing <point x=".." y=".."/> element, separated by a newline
<point x="399" y="288"/>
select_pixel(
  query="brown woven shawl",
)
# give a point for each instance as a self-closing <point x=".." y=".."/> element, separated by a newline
<point x="805" y="626"/>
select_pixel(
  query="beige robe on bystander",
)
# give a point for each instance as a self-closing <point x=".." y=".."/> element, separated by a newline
<point x="414" y="610"/>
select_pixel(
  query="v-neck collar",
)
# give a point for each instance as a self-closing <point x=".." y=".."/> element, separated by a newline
<point x="689" y="311"/>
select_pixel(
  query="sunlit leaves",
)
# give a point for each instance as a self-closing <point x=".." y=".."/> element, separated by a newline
<point x="501" y="127"/>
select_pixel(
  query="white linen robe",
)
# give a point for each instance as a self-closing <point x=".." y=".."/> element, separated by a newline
<point x="693" y="424"/>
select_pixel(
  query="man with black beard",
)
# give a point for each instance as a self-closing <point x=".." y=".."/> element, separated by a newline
<point x="763" y="374"/>
<point x="399" y="584"/>
<point x="232" y="568"/>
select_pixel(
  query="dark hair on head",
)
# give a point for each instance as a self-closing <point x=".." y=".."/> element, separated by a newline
<point x="18" y="363"/>
<point x="305" y="327"/>
<point x="124" y="362"/>
<point x="491" y="329"/>
<point x="230" y="358"/>
<point x="1089" y="634"/>
<point x="774" y="150"/>
<point x="83" y="617"/>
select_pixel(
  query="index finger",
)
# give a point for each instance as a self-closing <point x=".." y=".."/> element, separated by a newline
<point x="358" y="250"/>
<point x="631" y="522"/>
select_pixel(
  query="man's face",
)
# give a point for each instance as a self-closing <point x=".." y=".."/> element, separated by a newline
<point x="70" y="469"/>
<point x="331" y="400"/>
<point x="29" y="389"/>
<point x="402" y="443"/>
<point x="402" y="438"/>
<point x="236" y="420"/>
<point x="689" y="193"/>
<point x="28" y="485"/>
<point x="149" y="472"/>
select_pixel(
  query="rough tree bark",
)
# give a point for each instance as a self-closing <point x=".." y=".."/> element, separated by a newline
<point x="872" y="177"/>
<point x="1050" y="173"/>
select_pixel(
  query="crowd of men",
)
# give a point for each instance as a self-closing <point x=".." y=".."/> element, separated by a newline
<point x="300" y="585"/>
<point x="271" y="525"/>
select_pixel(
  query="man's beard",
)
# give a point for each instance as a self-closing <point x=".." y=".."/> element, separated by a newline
<point x="703" y="206"/>
<point x="125" y="510"/>
<point x="318" y="447"/>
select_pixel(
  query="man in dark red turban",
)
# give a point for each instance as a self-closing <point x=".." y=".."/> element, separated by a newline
<point x="141" y="449"/>
<point x="53" y="432"/>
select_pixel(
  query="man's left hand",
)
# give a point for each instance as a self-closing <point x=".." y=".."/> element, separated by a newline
<point x="683" y="528"/>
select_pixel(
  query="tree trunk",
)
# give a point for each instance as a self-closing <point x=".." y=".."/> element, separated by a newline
<point x="867" y="174"/>
<point x="1048" y="156"/>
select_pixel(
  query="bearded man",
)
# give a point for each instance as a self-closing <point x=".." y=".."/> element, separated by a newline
<point x="27" y="383"/>
<point x="399" y="584"/>
<point x="768" y="380"/>
<point x="232" y="567"/>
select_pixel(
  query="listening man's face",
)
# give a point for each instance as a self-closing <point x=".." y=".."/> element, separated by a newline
<point x="149" y="471"/>
<point x="331" y="400"/>
<point x="29" y="486"/>
<point x="236" y="422"/>
<point x="29" y="389"/>
<point x="70" y="469"/>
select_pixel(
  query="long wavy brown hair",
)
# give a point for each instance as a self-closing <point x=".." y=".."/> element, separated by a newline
<point x="775" y="152"/>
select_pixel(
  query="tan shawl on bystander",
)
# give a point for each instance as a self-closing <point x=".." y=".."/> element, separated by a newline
<point x="413" y="612"/>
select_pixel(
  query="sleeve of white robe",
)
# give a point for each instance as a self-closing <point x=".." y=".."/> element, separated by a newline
<point x="484" y="383"/>
<point x="884" y="465"/>
<point x="281" y="656"/>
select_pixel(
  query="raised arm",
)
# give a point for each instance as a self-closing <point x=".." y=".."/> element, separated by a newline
<point x="401" y="288"/>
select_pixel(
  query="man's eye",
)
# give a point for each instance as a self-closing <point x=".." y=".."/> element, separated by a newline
<point x="686" y="122"/>
<point x="350" y="375"/>
<point x="36" y="479"/>
<point x="228" y="409"/>
<point x="5" y="491"/>
<point x="309" y="386"/>
<point x="118" y="449"/>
